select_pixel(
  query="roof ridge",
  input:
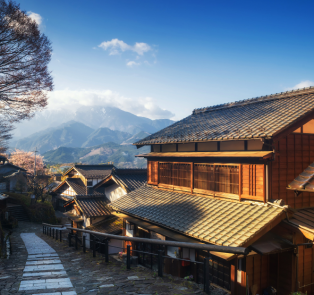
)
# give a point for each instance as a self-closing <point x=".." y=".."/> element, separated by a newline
<point x="275" y="96"/>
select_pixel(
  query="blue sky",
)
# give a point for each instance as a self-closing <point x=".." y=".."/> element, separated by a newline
<point x="162" y="59"/>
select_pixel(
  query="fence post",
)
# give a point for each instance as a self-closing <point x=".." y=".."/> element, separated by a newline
<point x="43" y="229"/>
<point x="206" y="275"/>
<point x="84" y="245"/>
<point x="128" y="257"/>
<point x="94" y="247"/>
<point x="50" y="231"/>
<point x="60" y="235"/>
<point x="76" y="241"/>
<point x="106" y="251"/>
<point x="53" y="233"/>
<point x="57" y="234"/>
<point x="160" y="262"/>
<point x="69" y="238"/>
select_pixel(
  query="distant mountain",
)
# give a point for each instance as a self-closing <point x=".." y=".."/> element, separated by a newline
<point x="95" y="117"/>
<point x="121" y="155"/>
<point x="116" y="119"/>
<point x="102" y="135"/>
<point x="70" y="134"/>
<point x="135" y="138"/>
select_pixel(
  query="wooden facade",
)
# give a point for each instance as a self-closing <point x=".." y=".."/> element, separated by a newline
<point x="196" y="157"/>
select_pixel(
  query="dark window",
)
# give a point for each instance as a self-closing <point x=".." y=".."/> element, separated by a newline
<point x="89" y="183"/>
<point x="219" y="178"/>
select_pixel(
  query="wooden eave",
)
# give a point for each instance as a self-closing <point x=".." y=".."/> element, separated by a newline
<point x="239" y="154"/>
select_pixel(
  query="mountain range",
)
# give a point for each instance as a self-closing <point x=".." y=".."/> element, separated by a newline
<point x="120" y="155"/>
<point x="92" y="135"/>
<point x="94" y="117"/>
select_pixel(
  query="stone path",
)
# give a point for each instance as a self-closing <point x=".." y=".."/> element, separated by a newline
<point x="44" y="262"/>
<point x="87" y="275"/>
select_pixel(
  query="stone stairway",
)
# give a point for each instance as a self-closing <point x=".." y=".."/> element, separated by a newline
<point x="18" y="212"/>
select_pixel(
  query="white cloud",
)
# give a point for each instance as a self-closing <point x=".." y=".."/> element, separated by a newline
<point x="36" y="17"/>
<point x="132" y="63"/>
<point x="116" y="46"/>
<point x="73" y="99"/>
<point x="302" y="84"/>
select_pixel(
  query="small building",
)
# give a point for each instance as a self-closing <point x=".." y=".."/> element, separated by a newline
<point x="238" y="174"/>
<point x="12" y="178"/>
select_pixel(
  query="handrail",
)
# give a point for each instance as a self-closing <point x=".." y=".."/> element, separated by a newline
<point x="51" y="225"/>
<point x="216" y="248"/>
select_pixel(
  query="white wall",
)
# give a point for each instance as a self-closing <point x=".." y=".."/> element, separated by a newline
<point x="113" y="242"/>
<point x="114" y="192"/>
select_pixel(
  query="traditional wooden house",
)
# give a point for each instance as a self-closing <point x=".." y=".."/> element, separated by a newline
<point x="86" y="191"/>
<point x="225" y="176"/>
<point x="79" y="180"/>
<point x="12" y="177"/>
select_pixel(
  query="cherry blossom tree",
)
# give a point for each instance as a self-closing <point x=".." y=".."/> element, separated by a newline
<point x="26" y="160"/>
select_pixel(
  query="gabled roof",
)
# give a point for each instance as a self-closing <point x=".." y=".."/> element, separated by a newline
<point x="93" y="171"/>
<point x="131" y="178"/>
<point x="252" y="118"/>
<point x="77" y="185"/>
<point x="207" y="219"/>
<point x="128" y="179"/>
<point x="305" y="181"/>
<point x="112" y="225"/>
<point x="93" y="206"/>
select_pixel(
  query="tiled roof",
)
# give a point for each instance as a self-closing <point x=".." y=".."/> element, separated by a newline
<point x="305" y="181"/>
<point x="7" y="166"/>
<point x="77" y="185"/>
<point x="112" y="225"/>
<point x="253" y="118"/>
<point x="93" y="206"/>
<point x="94" y="171"/>
<point x="131" y="178"/>
<point x="207" y="219"/>
<point x="304" y="219"/>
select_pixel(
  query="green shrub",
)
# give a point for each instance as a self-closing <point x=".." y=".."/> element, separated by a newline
<point x="42" y="212"/>
<point x="38" y="212"/>
<point x="19" y="199"/>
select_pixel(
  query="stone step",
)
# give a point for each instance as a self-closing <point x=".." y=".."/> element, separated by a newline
<point x="44" y="284"/>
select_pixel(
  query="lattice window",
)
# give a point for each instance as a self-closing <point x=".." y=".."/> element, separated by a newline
<point x="204" y="177"/>
<point x="227" y="179"/>
<point x="177" y="174"/>
<point x="219" y="178"/>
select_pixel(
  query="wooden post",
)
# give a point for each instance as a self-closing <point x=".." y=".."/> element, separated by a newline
<point x="206" y="275"/>
<point x="264" y="184"/>
<point x="192" y="177"/>
<point x="43" y="229"/>
<point x="160" y="262"/>
<point x="60" y="236"/>
<point x="69" y="238"/>
<point x="76" y="241"/>
<point x="84" y="244"/>
<point x="57" y="234"/>
<point x="94" y="247"/>
<point x="128" y="257"/>
<point x="106" y="251"/>
<point x="240" y="181"/>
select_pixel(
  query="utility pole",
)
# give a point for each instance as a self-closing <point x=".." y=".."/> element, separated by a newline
<point x="35" y="161"/>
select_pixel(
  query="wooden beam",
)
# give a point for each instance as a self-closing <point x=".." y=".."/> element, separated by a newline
<point x="264" y="184"/>
<point x="192" y="177"/>
<point x="240" y="181"/>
